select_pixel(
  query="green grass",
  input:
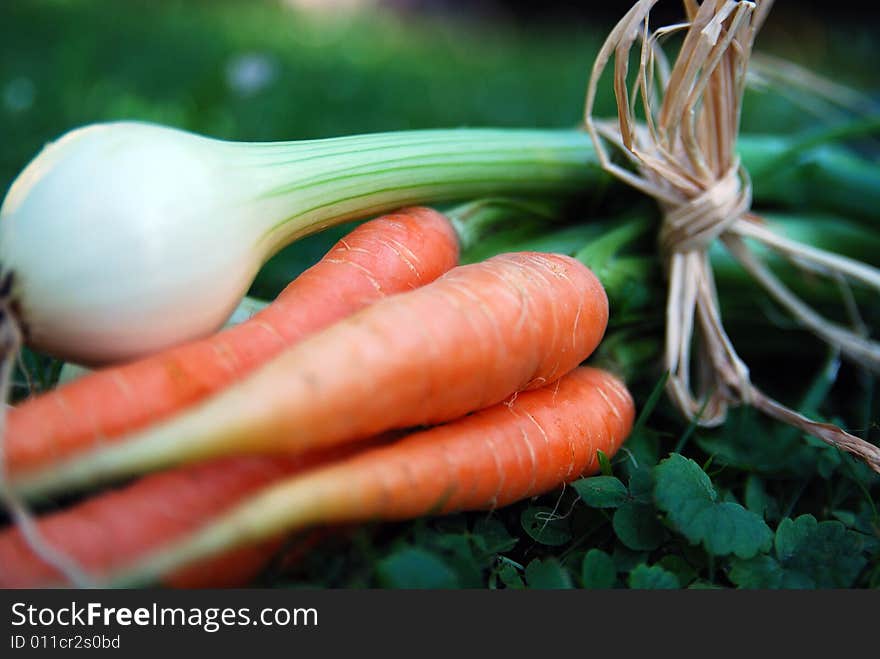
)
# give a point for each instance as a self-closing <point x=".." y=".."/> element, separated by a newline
<point x="753" y="504"/>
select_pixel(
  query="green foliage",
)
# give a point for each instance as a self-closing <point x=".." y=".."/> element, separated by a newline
<point x="637" y="527"/>
<point x="597" y="570"/>
<point x="808" y="554"/>
<point x="604" y="463"/>
<point x="547" y="574"/>
<point x="652" y="577"/>
<point x="415" y="568"/>
<point x="602" y="491"/>
<point x="684" y="572"/>
<point x="509" y="576"/>
<point x="545" y="526"/>
<point x="758" y="501"/>
<point x="686" y="494"/>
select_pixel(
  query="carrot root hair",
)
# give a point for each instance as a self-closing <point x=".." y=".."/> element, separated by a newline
<point x="490" y="459"/>
<point x="394" y="253"/>
<point x="462" y="343"/>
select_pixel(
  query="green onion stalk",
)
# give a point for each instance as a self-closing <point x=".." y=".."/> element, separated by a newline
<point x="122" y="239"/>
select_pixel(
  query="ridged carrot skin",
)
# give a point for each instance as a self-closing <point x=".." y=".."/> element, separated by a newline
<point x="394" y="253"/>
<point x="519" y="448"/>
<point x="106" y="530"/>
<point x="461" y="343"/>
<point x="525" y="447"/>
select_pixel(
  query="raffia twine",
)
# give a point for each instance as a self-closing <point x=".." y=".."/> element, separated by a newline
<point x="683" y="155"/>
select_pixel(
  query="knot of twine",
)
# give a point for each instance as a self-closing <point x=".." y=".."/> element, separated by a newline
<point x="683" y="154"/>
<point x="695" y="223"/>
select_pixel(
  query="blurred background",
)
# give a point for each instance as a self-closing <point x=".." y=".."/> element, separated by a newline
<point x="293" y="69"/>
<point x="289" y="69"/>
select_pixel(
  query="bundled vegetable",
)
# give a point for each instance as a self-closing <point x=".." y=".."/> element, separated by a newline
<point x="283" y="423"/>
<point x="391" y="254"/>
<point x="519" y="448"/>
<point x="466" y="341"/>
<point x="177" y="225"/>
<point x="213" y="486"/>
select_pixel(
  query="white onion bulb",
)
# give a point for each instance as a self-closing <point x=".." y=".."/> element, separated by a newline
<point x="125" y="238"/>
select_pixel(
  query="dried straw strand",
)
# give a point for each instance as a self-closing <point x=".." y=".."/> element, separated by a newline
<point x="684" y="156"/>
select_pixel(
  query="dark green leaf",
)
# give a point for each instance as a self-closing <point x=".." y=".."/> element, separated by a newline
<point x="415" y="568"/>
<point x="742" y="443"/>
<point x="510" y="577"/>
<point x="825" y="552"/>
<point x="491" y="536"/>
<point x="643" y="452"/>
<point x="652" y="577"/>
<point x="601" y="491"/>
<point x="758" y="501"/>
<point x="684" y="571"/>
<point x="604" y="463"/>
<point x="680" y="481"/>
<point x="765" y="572"/>
<point x="874" y="578"/>
<point x="845" y="517"/>
<point x="792" y="534"/>
<point x="867" y="519"/>
<point x="547" y="574"/>
<point x="828" y="459"/>
<point x="458" y="553"/>
<point x="696" y="556"/>
<point x="544" y="525"/>
<point x="637" y="526"/>
<point x="641" y="485"/>
<point x="625" y="559"/>
<point x="809" y="554"/>
<point x="597" y="570"/>
<point x="728" y="497"/>
<point x="758" y="572"/>
<point x="728" y="528"/>
<point x="686" y="494"/>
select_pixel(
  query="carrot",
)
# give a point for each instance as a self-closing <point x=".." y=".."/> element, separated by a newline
<point x="464" y="342"/>
<point x="153" y="511"/>
<point x="234" y="569"/>
<point x="522" y="447"/>
<point x="387" y="255"/>
<point x="509" y="452"/>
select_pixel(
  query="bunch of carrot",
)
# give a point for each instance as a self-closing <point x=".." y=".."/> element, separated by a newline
<point x="384" y="383"/>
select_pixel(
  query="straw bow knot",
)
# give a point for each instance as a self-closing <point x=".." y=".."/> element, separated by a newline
<point x="683" y="153"/>
<point x="697" y="221"/>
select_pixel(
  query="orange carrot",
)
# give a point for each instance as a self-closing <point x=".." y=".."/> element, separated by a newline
<point x="394" y="253"/>
<point x="154" y="511"/>
<point x="506" y="453"/>
<point x="464" y="342"/>
<point x="525" y="446"/>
